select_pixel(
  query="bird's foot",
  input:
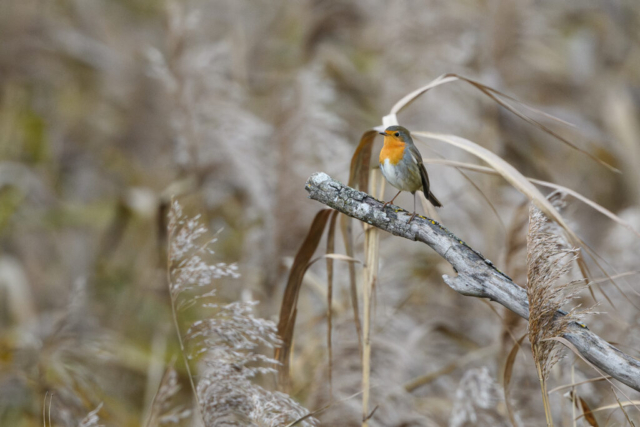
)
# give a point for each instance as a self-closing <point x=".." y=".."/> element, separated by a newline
<point x="411" y="219"/>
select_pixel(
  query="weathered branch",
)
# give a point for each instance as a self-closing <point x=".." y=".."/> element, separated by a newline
<point x="477" y="276"/>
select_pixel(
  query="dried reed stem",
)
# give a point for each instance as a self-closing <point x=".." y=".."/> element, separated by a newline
<point x="177" y="326"/>
<point x="370" y="275"/>
<point x="545" y="395"/>
<point x="330" y="250"/>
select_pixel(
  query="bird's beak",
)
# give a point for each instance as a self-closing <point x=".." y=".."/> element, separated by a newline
<point x="382" y="133"/>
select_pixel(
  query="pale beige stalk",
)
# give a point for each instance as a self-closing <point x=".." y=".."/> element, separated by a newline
<point x="370" y="275"/>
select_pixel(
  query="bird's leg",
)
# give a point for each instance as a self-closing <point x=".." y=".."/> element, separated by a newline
<point x="414" y="209"/>
<point x="391" y="201"/>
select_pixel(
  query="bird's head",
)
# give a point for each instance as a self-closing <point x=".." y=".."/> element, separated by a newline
<point x="397" y="133"/>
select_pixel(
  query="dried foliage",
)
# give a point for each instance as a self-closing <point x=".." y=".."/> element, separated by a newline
<point x="109" y="108"/>
<point x="549" y="260"/>
<point x="163" y="410"/>
<point x="226" y="343"/>
<point x="186" y="267"/>
<point x="288" y="309"/>
<point x="508" y="372"/>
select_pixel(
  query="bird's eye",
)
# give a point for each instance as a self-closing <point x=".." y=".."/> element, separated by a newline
<point x="397" y="134"/>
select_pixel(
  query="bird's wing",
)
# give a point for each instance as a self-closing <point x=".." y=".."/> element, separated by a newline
<point x="417" y="159"/>
<point x="415" y="154"/>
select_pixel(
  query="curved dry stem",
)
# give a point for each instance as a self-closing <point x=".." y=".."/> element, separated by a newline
<point x="176" y="325"/>
<point x="554" y="186"/>
<point x="497" y="97"/>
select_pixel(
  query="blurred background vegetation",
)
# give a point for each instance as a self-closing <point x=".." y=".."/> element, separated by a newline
<point x="109" y="108"/>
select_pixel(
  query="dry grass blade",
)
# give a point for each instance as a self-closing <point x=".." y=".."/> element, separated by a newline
<point x="452" y="77"/>
<point x="44" y="405"/>
<point x="621" y="406"/>
<point x="588" y="202"/>
<point x="522" y="184"/>
<point x="331" y="243"/>
<point x="514" y="263"/>
<point x="360" y="161"/>
<point x="503" y="321"/>
<point x="339" y="257"/>
<point x="586" y="412"/>
<point x="462" y="361"/>
<point x="586" y="275"/>
<point x="358" y="178"/>
<point x="610" y="278"/>
<point x="508" y="172"/>
<point x="616" y="276"/>
<point x="496" y="96"/>
<point x="573" y="348"/>
<point x="573" y="193"/>
<point x="409" y="98"/>
<point x="288" y="309"/>
<point x="166" y="390"/>
<point x="516" y="243"/>
<point x="317" y="411"/>
<point x="486" y="199"/>
<point x="508" y="371"/>
<point x="49" y="412"/>
<point x="347" y="236"/>
<point x="614" y="406"/>
<point x="591" y="380"/>
<point x="572" y="394"/>
<point x="491" y="93"/>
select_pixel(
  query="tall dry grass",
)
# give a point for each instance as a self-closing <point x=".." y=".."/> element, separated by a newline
<point x="108" y="108"/>
<point x="549" y="260"/>
<point x="225" y="344"/>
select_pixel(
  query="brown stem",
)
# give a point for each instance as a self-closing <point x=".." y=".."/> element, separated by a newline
<point x="543" y="389"/>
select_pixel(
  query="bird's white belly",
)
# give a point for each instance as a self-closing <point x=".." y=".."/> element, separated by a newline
<point x="400" y="177"/>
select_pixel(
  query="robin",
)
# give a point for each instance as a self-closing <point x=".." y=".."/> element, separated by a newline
<point x="401" y="164"/>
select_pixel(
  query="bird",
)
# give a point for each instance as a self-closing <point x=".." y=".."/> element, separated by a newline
<point x="401" y="164"/>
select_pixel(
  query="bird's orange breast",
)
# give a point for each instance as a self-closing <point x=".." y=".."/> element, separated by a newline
<point x="393" y="150"/>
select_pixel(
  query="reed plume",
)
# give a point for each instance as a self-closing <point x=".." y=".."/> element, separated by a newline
<point x="226" y="344"/>
<point x="549" y="260"/>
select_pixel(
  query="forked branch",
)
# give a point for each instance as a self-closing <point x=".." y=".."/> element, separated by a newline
<point x="477" y="276"/>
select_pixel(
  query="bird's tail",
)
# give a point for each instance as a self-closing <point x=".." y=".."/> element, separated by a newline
<point x="425" y="186"/>
<point x="434" y="201"/>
